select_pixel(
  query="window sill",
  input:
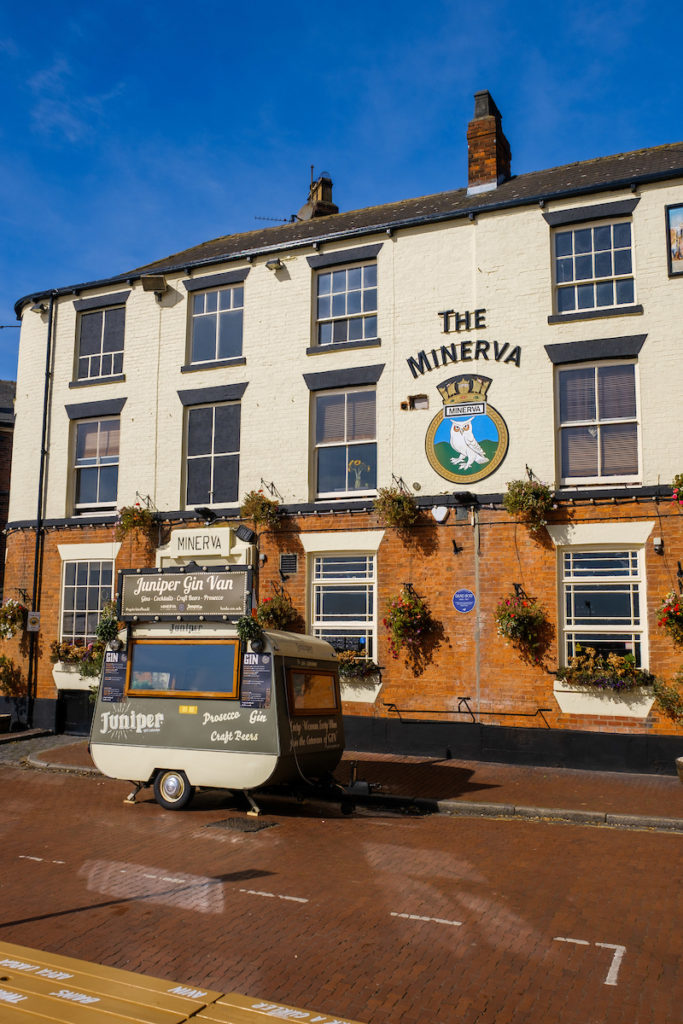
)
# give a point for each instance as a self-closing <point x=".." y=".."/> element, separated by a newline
<point x="193" y="367"/>
<point x="89" y="381"/>
<point x="595" y="314"/>
<point x="341" y="346"/>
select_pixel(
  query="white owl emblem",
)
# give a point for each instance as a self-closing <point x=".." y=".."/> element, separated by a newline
<point x="463" y="441"/>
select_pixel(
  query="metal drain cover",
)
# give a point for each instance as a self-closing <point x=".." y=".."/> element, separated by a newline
<point x="243" y="824"/>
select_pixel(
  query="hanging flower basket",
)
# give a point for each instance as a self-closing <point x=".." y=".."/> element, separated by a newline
<point x="276" y="612"/>
<point x="670" y="617"/>
<point x="529" y="501"/>
<point x="604" y="671"/>
<point x="135" y="519"/>
<point x="261" y="510"/>
<point x="12" y="618"/>
<point x="522" y="621"/>
<point x="408" y="622"/>
<point x="395" y="507"/>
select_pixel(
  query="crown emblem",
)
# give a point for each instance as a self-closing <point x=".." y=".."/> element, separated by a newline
<point x="464" y="388"/>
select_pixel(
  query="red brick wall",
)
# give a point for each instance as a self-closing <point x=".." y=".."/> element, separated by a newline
<point x="509" y="688"/>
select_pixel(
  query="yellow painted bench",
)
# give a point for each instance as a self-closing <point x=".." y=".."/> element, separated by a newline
<point x="39" y="986"/>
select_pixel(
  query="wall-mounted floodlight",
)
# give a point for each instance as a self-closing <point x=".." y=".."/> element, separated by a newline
<point x="207" y="514"/>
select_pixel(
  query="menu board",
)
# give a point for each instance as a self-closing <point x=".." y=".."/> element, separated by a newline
<point x="114" y="676"/>
<point x="257" y="673"/>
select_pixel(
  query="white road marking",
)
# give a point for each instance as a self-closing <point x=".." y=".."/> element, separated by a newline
<point x="274" y="895"/>
<point x="435" y="920"/>
<point x="40" y="860"/>
<point x="616" y="961"/>
<point x="619" y="951"/>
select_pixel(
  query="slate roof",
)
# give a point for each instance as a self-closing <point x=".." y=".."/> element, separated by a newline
<point x="570" y="180"/>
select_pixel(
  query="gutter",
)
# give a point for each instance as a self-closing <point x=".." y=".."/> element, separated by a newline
<point x="382" y="226"/>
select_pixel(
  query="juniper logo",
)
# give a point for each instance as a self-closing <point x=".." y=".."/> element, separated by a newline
<point x="468" y="439"/>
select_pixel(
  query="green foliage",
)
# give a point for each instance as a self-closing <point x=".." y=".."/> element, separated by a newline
<point x="408" y="621"/>
<point x="12" y="618"/>
<point x="354" y="666"/>
<point x="523" y="621"/>
<point x="395" y="507"/>
<point x="135" y="518"/>
<point x="604" y="671"/>
<point x="529" y="501"/>
<point x="669" y="698"/>
<point x="670" y="617"/>
<point x="249" y="628"/>
<point x="261" y="510"/>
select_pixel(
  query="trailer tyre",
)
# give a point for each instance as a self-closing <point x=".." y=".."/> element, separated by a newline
<point x="172" y="790"/>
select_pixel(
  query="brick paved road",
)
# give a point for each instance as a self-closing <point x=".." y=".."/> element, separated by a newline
<point x="384" y="919"/>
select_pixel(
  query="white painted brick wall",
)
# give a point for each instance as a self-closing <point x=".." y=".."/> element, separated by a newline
<point x="500" y="262"/>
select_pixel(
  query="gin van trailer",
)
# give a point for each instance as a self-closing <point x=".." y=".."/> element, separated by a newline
<point x="183" y="703"/>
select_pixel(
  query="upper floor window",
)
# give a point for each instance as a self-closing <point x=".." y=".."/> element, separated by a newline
<point x="213" y="445"/>
<point x="87" y="585"/>
<point x="100" y="343"/>
<point x="96" y="465"/>
<point x="346" y="445"/>
<point x="593" y="267"/>
<point x="347" y="304"/>
<point x="217" y="324"/>
<point x="598" y="421"/>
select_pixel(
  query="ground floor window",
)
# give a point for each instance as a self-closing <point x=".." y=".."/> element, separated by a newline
<point x="604" y="607"/>
<point x="344" y="600"/>
<point x="86" y="588"/>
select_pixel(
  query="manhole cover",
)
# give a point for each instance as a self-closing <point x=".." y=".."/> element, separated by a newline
<point x="243" y="824"/>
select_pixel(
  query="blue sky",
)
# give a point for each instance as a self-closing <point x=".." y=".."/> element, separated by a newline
<point x="130" y="130"/>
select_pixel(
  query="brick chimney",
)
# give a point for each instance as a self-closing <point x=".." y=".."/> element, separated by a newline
<point x="488" y="151"/>
<point x="319" y="199"/>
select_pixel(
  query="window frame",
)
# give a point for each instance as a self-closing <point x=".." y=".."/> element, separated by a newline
<point x="194" y="318"/>
<point x="367" y="625"/>
<point x="85" y="508"/>
<point x="71" y="636"/>
<point x="613" y="309"/>
<point x="346" y="443"/>
<point x="103" y="311"/>
<point x="180" y="695"/>
<point x="213" y="455"/>
<point x="635" y="578"/>
<point x="362" y="315"/>
<point x="598" y="423"/>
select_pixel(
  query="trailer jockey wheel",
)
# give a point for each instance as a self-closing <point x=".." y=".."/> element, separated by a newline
<point x="172" y="790"/>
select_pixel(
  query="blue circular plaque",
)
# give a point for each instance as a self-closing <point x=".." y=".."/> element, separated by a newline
<point x="464" y="600"/>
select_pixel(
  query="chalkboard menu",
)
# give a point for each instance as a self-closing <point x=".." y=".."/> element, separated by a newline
<point x="114" y="676"/>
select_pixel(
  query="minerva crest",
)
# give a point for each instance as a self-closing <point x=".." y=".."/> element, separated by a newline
<point x="468" y="439"/>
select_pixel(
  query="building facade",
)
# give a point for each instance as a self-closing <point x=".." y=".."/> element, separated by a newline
<point x="522" y="328"/>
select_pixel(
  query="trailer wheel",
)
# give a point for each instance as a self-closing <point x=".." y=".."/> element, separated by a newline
<point x="172" y="790"/>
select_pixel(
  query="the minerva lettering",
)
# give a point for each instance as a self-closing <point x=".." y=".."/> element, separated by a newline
<point x="136" y="721"/>
<point x="161" y="585"/>
<point x="463" y="352"/>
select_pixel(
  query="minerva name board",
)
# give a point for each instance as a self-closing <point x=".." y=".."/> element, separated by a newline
<point x="210" y="594"/>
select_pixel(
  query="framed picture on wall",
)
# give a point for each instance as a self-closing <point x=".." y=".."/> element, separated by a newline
<point x="674" y="238"/>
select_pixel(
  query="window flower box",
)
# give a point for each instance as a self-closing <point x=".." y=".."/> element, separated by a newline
<point x="579" y="699"/>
